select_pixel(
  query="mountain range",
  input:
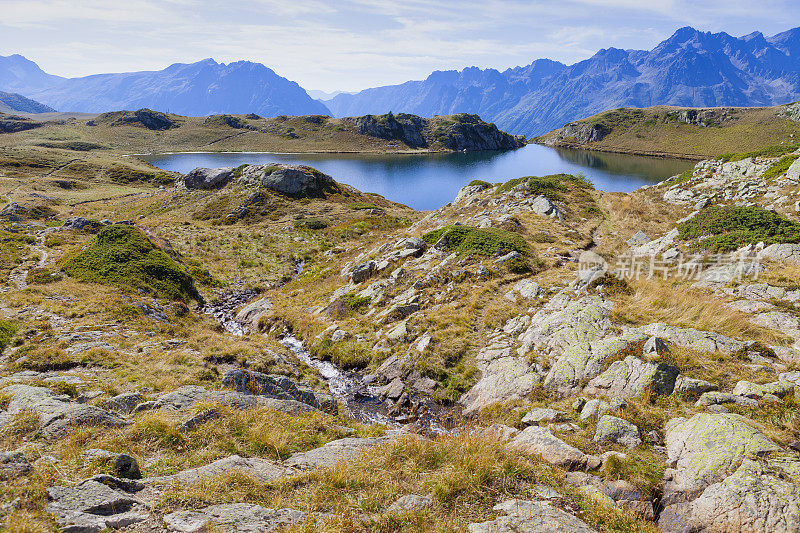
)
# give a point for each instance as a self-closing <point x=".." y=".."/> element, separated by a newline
<point x="690" y="69"/>
<point x="195" y="89"/>
<point x="12" y="102"/>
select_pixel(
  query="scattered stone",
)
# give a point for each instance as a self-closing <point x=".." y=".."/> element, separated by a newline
<point x="121" y="464"/>
<point x="123" y="403"/>
<point x="363" y="271"/>
<point x="332" y="453"/>
<point x="14" y="464"/>
<point x="261" y="469"/>
<point x="540" y="414"/>
<point x="251" y="313"/>
<point x="692" y="386"/>
<point x="655" y="347"/>
<point x="613" y="429"/>
<point x="638" y="239"/>
<point x="540" y="441"/>
<point x="410" y="503"/>
<point x="92" y="506"/>
<point x="594" y="408"/>
<point x="198" y="420"/>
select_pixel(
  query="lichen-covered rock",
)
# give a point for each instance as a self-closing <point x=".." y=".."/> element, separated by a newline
<point x="543" y="414"/>
<point x="207" y="178"/>
<point x="759" y="497"/>
<point x="585" y="360"/>
<point x="263" y="470"/>
<point x="563" y="323"/>
<point x="56" y="413"/>
<point x="287" y="179"/>
<point x="705" y="449"/>
<point x="234" y="518"/>
<point x="410" y="503"/>
<point x="531" y="517"/>
<point x="704" y="341"/>
<point x="594" y="408"/>
<point x="632" y="377"/>
<point x="693" y="386"/>
<point x="332" y="453"/>
<point x="755" y="391"/>
<point x="96" y="504"/>
<point x="613" y="429"/>
<point x="540" y="441"/>
<point x="250" y="314"/>
<point x="363" y="271"/>
<point x="782" y="252"/>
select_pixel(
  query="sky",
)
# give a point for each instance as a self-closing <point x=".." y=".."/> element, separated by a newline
<point x="354" y="44"/>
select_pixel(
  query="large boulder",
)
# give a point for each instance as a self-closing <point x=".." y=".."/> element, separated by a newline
<point x="275" y="386"/>
<point x="287" y="179"/>
<point x="333" y="453"/>
<point x="207" y="178"/>
<point x="632" y="377"/>
<point x="703" y="451"/>
<point x="56" y="413"/>
<point x="613" y="429"/>
<point x="97" y="504"/>
<point x="260" y="469"/>
<point x="251" y="313"/>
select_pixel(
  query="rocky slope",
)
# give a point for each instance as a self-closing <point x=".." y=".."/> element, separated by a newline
<point x="536" y="355"/>
<point x="10" y="102"/>
<point x="693" y="133"/>
<point x="691" y="68"/>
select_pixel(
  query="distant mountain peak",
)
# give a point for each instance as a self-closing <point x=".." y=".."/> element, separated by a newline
<point x="691" y="68"/>
<point x="197" y="89"/>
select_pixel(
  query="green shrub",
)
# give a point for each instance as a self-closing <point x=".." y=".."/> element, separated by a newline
<point x="729" y="228"/>
<point x="315" y="224"/>
<point x="348" y="355"/>
<point x="7" y="331"/>
<point x="550" y="186"/>
<point x="484" y="184"/>
<point x="122" y="256"/>
<point x="468" y="240"/>
<point x="42" y="276"/>
<point x="780" y="166"/>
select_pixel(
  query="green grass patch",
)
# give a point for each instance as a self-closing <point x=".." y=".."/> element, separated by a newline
<point x="729" y="228"/>
<point x="358" y="206"/>
<point x="349" y="355"/>
<point x="769" y="151"/>
<point x="480" y="183"/>
<point x="76" y="146"/>
<point x="780" y="166"/>
<point x="122" y="256"/>
<point x="552" y="186"/>
<point x="470" y="240"/>
<point x="7" y="331"/>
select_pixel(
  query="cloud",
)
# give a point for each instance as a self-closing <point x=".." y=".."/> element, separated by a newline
<point x="353" y="44"/>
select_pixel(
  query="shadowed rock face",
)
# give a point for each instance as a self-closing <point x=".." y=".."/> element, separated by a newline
<point x="287" y="179"/>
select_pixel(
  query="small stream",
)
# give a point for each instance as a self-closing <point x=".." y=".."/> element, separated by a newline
<point x="362" y="402"/>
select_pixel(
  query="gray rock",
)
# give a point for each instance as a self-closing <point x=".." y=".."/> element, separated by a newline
<point x="782" y="252"/>
<point x="541" y="205"/>
<point x="655" y="347"/>
<point x="363" y="271"/>
<point x="287" y="179"/>
<point x="703" y="341"/>
<point x="234" y="518"/>
<point x="198" y="420"/>
<point x="272" y="386"/>
<point x="510" y="256"/>
<point x="594" y="409"/>
<point x="250" y="314"/>
<point x="121" y="464"/>
<point x="718" y="398"/>
<point x="539" y="441"/>
<point x="332" y="453"/>
<point x="752" y="390"/>
<point x="693" y="387"/>
<point x="14" y="464"/>
<point x="261" y="469"/>
<point x="620" y="492"/>
<point x="705" y="449"/>
<point x="207" y="178"/>
<point x="637" y="239"/>
<point x="123" y="403"/>
<point x="92" y="506"/>
<point x="613" y="429"/>
<point x="410" y="503"/>
<point x="540" y="414"/>
<point x="56" y="413"/>
<point x="631" y="377"/>
<point x="524" y="516"/>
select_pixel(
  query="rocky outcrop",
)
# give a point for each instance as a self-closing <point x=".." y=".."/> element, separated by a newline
<point x="632" y="377"/>
<point x="723" y="475"/>
<point x="56" y="413"/>
<point x="97" y="504"/>
<point x="577" y="133"/>
<point x="286" y="179"/>
<point x="541" y="442"/>
<point x="152" y="120"/>
<point x="275" y="386"/>
<point x="207" y="178"/>
<point x="462" y="132"/>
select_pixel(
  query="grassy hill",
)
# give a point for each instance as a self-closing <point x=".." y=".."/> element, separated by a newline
<point x="681" y="132"/>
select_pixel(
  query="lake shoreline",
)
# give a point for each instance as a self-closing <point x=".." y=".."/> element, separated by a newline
<point x="625" y="151"/>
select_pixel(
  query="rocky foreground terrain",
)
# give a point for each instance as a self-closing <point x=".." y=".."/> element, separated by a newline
<point x="265" y="349"/>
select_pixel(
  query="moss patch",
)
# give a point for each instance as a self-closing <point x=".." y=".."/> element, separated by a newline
<point x="122" y="256"/>
<point x="729" y="228"/>
<point x="7" y="331"/>
<point x="470" y="240"/>
<point x="780" y="166"/>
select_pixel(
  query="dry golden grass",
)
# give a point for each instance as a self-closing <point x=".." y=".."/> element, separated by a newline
<point x="466" y="475"/>
<point x="677" y="305"/>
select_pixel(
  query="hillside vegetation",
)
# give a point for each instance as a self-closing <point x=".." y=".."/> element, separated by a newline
<point x="690" y="133"/>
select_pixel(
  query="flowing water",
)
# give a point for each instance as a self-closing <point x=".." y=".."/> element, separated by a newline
<point x="428" y="181"/>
